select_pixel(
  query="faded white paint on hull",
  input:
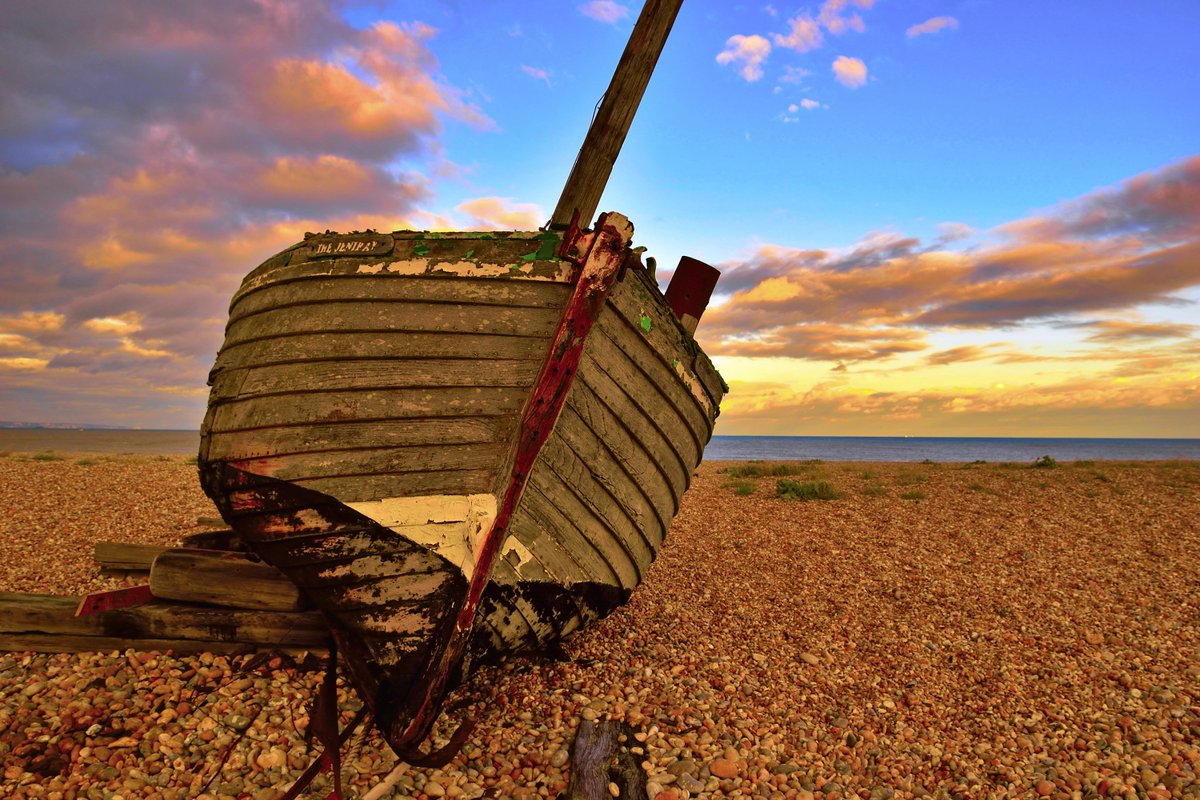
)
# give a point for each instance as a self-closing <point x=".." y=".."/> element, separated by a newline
<point x="450" y="525"/>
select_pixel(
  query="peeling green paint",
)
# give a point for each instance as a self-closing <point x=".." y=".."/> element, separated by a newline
<point x="675" y="364"/>
<point x="470" y="253"/>
<point x="548" y="251"/>
<point x="647" y="324"/>
<point x="421" y="249"/>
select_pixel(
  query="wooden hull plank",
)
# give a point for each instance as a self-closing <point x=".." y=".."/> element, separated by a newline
<point x="373" y="373"/>
<point x="302" y="408"/>
<point x="348" y="345"/>
<point x="383" y="287"/>
<point x="456" y="318"/>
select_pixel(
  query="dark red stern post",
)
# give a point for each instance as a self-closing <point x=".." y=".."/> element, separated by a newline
<point x="690" y="289"/>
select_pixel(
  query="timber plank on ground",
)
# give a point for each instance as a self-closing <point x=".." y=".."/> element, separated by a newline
<point x="51" y="620"/>
<point x="222" y="578"/>
<point x="126" y="555"/>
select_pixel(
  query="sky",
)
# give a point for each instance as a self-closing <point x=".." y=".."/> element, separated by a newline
<point x="933" y="217"/>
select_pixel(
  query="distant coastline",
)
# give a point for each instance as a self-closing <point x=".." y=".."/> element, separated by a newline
<point x="62" y="426"/>
<point x="70" y="439"/>
<point x="99" y="440"/>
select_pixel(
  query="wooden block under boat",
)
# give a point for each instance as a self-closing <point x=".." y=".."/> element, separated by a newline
<point x="126" y="555"/>
<point x="222" y="578"/>
<point x="48" y="623"/>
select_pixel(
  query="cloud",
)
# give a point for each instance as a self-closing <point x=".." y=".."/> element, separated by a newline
<point x="501" y="213"/>
<point x="1161" y="206"/>
<point x="931" y="26"/>
<point x="850" y="72"/>
<point x="794" y="75"/>
<point x="884" y="295"/>
<point x="957" y="355"/>
<point x="809" y="104"/>
<point x="604" y="11"/>
<point x="539" y="74"/>
<point x="151" y="154"/>
<point x="804" y="35"/>
<point x="1120" y="331"/>
<point x="31" y="322"/>
<point x="1075" y="406"/>
<point x="748" y="53"/>
<point x="833" y="16"/>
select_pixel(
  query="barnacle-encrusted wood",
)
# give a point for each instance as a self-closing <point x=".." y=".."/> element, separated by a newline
<point x="458" y="446"/>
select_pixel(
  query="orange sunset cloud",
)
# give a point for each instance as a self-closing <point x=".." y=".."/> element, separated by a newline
<point x="1091" y="269"/>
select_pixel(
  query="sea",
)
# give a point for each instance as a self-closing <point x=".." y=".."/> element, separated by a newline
<point x="721" y="448"/>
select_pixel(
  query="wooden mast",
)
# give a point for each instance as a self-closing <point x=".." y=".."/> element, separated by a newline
<point x="607" y="132"/>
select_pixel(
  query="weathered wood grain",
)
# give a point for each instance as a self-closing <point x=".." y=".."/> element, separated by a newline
<point x="630" y="360"/>
<point x="608" y="431"/>
<point x="561" y="515"/>
<point x="374" y="461"/>
<point x="594" y="477"/>
<point x="611" y="372"/>
<point x="513" y="256"/>
<point x="478" y="291"/>
<point x="305" y="347"/>
<point x="125" y="555"/>
<point x="308" y="408"/>
<point x="360" y="488"/>
<point x="353" y="435"/>
<point x="639" y="302"/>
<point x="221" y="578"/>
<point x="366" y="316"/>
<point x="50" y="614"/>
<point x="625" y="406"/>
<point x="569" y="485"/>
<point x="373" y="373"/>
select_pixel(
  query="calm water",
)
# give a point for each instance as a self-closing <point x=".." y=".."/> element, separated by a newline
<point x="769" y="448"/>
<point x="155" y="442"/>
<point x="919" y="448"/>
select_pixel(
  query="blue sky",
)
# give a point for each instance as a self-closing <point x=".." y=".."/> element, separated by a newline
<point x="957" y="217"/>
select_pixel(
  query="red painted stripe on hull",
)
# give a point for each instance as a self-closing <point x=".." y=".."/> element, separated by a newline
<point x="603" y="256"/>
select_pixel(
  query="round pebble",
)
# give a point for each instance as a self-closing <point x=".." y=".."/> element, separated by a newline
<point x="1017" y="633"/>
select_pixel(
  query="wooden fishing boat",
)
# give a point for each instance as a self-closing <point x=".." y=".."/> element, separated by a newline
<point x="459" y="446"/>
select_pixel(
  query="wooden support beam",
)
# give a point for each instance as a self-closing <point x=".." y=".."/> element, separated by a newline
<point x="589" y="175"/>
<point x="126" y="556"/>
<point x="222" y="578"/>
<point x="48" y="623"/>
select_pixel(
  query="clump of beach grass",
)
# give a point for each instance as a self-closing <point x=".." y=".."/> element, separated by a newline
<point x="915" y="494"/>
<point x="48" y="457"/>
<point x="742" y="488"/>
<point x="875" y="490"/>
<point x="1045" y="462"/>
<point x="764" y="469"/>
<point x="812" y="490"/>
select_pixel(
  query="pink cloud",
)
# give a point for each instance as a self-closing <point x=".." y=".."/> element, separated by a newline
<point x="747" y="53"/>
<point x="153" y="153"/>
<point x="501" y="213"/>
<point x="539" y="74"/>
<point x="817" y="304"/>
<point x="931" y="26"/>
<point x="833" y="16"/>
<point x="604" y="11"/>
<point x="850" y="72"/>
<point x="804" y="35"/>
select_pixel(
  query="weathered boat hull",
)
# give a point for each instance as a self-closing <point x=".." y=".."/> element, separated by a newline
<point x="459" y="446"/>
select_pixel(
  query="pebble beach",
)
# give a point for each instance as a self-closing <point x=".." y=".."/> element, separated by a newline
<point x="929" y="630"/>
